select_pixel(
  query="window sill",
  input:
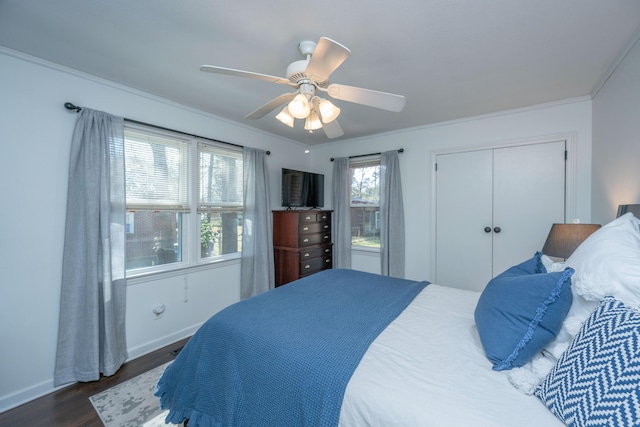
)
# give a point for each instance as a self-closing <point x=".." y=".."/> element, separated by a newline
<point x="150" y="276"/>
<point x="365" y="250"/>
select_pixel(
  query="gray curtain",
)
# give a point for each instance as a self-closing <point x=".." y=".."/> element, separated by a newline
<point x="91" y="334"/>
<point x="391" y="216"/>
<point x="257" y="271"/>
<point x="341" y="213"/>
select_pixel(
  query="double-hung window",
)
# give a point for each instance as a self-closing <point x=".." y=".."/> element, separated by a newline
<point x="365" y="202"/>
<point x="184" y="200"/>
<point x="157" y="197"/>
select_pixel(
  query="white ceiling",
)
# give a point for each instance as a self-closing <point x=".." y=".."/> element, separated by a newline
<point x="450" y="58"/>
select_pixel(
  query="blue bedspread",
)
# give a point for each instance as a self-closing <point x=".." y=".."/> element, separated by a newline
<point x="283" y="358"/>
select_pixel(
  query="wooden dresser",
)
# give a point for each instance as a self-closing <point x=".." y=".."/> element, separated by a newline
<point x="301" y="243"/>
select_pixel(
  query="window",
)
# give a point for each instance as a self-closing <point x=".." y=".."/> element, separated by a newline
<point x="365" y="202"/>
<point x="220" y="200"/>
<point x="162" y="231"/>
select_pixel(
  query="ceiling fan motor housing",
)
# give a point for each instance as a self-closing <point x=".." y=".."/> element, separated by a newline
<point x="295" y="71"/>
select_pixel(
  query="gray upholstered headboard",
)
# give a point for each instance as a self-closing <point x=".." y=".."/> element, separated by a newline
<point x="634" y="209"/>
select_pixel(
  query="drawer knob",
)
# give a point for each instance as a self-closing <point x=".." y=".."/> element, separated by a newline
<point x="305" y="229"/>
<point x="326" y="226"/>
<point x="307" y="266"/>
<point x="327" y="260"/>
<point x="306" y="255"/>
<point x="308" y="217"/>
<point x="306" y="240"/>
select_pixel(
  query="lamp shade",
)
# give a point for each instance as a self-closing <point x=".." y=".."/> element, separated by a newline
<point x="328" y="111"/>
<point x="313" y="121"/>
<point x="299" y="106"/>
<point x="563" y="239"/>
<point x="285" y="117"/>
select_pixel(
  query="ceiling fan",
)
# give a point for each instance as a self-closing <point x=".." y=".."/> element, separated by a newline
<point x="311" y="75"/>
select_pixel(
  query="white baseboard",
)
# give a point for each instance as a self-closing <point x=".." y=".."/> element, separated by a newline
<point x="28" y="394"/>
<point x="31" y="393"/>
<point x="150" y="346"/>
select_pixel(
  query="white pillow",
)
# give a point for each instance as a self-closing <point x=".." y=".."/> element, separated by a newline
<point x="607" y="263"/>
<point x="550" y="265"/>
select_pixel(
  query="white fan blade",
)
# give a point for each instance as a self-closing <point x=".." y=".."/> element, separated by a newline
<point x="271" y="105"/>
<point x="372" y="98"/>
<point x="332" y="129"/>
<point x="326" y="58"/>
<point x="248" y="74"/>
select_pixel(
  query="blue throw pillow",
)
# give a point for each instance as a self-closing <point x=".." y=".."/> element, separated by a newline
<point x="596" y="380"/>
<point x="522" y="310"/>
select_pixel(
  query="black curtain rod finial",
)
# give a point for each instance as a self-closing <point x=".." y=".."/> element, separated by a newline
<point x="69" y="106"/>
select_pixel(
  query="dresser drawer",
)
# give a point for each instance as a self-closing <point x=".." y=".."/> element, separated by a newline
<point x="323" y="217"/>
<point x="313" y="253"/>
<point x="315" y="265"/>
<point x="311" y="266"/>
<point x="312" y="217"/>
<point x="309" y="239"/>
<point x="313" y="239"/>
<point x="310" y="227"/>
<point x="307" y="217"/>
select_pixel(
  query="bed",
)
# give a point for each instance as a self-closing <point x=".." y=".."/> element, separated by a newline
<point x="348" y="348"/>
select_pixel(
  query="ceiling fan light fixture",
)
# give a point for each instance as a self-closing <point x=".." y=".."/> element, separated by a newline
<point x="313" y="122"/>
<point x="328" y="111"/>
<point x="299" y="106"/>
<point x="285" y="117"/>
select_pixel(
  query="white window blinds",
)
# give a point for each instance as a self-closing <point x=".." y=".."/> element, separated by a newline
<point x="157" y="170"/>
<point x="220" y="177"/>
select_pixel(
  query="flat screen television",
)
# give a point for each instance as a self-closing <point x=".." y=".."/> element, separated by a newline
<point x="302" y="189"/>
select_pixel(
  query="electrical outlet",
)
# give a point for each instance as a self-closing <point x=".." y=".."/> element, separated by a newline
<point x="158" y="310"/>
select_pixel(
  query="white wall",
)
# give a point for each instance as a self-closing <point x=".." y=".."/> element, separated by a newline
<point x="571" y="118"/>
<point x="36" y="130"/>
<point x="616" y="139"/>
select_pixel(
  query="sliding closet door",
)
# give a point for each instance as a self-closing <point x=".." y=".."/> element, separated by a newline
<point x="463" y="211"/>
<point x="529" y="196"/>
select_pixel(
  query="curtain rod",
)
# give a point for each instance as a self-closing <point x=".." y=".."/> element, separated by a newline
<point x="69" y="106"/>
<point x="400" y="150"/>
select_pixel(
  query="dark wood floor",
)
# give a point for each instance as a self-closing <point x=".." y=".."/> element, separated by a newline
<point x="70" y="406"/>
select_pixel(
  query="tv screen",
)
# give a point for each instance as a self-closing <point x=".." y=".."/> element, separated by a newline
<point x="302" y="189"/>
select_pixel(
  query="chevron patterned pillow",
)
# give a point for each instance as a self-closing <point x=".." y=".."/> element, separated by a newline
<point x="596" y="382"/>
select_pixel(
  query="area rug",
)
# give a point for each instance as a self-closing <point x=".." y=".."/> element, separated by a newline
<point x="132" y="403"/>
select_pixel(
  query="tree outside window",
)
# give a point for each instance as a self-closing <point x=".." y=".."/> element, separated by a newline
<point x="365" y="203"/>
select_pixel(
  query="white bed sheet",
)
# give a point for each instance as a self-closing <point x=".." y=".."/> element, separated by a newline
<point x="427" y="368"/>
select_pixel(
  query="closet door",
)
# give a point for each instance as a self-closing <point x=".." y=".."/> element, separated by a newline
<point x="463" y="211"/>
<point x="494" y="209"/>
<point x="529" y="196"/>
